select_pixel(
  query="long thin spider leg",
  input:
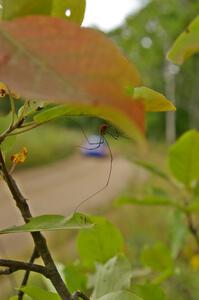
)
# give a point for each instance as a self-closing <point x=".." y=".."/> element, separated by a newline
<point x="98" y="144"/>
<point x="116" y="137"/>
<point x="107" y="182"/>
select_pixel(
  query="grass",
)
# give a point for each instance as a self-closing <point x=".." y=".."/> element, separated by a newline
<point x="46" y="145"/>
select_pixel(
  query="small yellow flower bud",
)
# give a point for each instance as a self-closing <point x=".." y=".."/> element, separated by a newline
<point x="19" y="158"/>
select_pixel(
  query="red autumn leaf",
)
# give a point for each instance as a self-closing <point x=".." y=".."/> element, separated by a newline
<point x="50" y="59"/>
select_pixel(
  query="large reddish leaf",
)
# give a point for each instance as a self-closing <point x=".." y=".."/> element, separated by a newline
<point x="50" y="59"/>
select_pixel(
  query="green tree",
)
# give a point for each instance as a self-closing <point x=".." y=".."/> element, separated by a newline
<point x="145" y="39"/>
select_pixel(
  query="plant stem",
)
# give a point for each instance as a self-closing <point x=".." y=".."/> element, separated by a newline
<point x="193" y="230"/>
<point x="78" y="295"/>
<point x="14" y="266"/>
<point x="39" y="240"/>
<point x="27" y="274"/>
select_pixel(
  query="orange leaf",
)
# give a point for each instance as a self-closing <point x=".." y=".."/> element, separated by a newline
<point x="49" y="59"/>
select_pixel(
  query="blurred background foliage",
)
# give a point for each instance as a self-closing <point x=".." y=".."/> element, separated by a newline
<point x="145" y="38"/>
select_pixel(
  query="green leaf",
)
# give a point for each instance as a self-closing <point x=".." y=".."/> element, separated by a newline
<point x="99" y="243"/>
<point x="52" y="222"/>
<point x="5" y="122"/>
<point x="186" y="44"/>
<point x="19" y="8"/>
<point x="75" y="278"/>
<point x="152" y="168"/>
<point x="38" y="293"/>
<point x="150" y="292"/>
<point x="147" y="200"/>
<point x="74" y="8"/>
<point x="184" y="157"/>
<point x="121" y="295"/>
<point x="113" y="276"/>
<point x="56" y="8"/>
<point x="157" y="257"/>
<point x="116" y="117"/>
<point x="153" y="101"/>
<point x="24" y="298"/>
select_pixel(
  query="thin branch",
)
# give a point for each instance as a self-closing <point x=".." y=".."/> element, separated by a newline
<point x="27" y="274"/>
<point x="14" y="266"/>
<point x="13" y="110"/>
<point x="78" y="295"/>
<point x="192" y="229"/>
<point x="39" y="240"/>
<point x="32" y="126"/>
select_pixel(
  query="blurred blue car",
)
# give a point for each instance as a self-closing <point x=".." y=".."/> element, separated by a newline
<point x="95" y="146"/>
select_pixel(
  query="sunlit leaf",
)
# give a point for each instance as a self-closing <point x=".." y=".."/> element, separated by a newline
<point x="95" y="244"/>
<point x="121" y="295"/>
<point x="184" y="157"/>
<point x="52" y="222"/>
<point x="72" y="10"/>
<point x="186" y="44"/>
<point x="152" y="100"/>
<point x="113" y="276"/>
<point x="67" y="64"/>
<point x="39" y="294"/>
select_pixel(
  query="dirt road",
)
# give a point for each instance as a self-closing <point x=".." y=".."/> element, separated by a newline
<point x="58" y="189"/>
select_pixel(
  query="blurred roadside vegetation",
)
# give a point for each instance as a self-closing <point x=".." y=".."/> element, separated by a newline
<point x="145" y="38"/>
